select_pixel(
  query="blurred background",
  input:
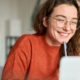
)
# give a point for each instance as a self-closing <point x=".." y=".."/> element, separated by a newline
<point x="16" y="18"/>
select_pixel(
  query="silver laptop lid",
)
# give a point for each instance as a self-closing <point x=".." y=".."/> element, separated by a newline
<point x="70" y="68"/>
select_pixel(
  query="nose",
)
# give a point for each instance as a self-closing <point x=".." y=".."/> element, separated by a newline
<point x="67" y="26"/>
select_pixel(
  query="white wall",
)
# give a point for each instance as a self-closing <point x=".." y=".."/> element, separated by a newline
<point x="26" y="8"/>
<point x="2" y="42"/>
<point x="8" y="10"/>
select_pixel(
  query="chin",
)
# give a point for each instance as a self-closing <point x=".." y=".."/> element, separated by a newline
<point x="62" y="42"/>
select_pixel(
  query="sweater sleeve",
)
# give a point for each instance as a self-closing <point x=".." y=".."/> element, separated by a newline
<point x="18" y="61"/>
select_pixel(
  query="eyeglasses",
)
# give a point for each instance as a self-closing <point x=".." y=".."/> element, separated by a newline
<point x="61" y="22"/>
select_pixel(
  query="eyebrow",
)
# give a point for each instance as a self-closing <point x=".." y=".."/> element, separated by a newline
<point x="65" y="16"/>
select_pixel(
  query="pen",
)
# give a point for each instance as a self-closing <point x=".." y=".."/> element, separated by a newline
<point x="65" y="48"/>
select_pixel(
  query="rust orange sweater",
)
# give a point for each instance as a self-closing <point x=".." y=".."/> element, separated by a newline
<point x="32" y="57"/>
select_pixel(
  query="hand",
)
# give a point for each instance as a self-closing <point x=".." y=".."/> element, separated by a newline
<point x="57" y="71"/>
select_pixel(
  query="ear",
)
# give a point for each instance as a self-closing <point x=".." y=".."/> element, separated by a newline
<point x="45" y="21"/>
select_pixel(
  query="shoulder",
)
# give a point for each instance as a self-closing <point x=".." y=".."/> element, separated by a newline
<point x="25" y="40"/>
<point x="27" y="37"/>
<point x="23" y="44"/>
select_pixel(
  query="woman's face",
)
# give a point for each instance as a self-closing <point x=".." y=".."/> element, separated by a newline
<point x="55" y="33"/>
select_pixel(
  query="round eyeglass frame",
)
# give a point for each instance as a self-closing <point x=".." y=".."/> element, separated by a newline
<point x="65" y="24"/>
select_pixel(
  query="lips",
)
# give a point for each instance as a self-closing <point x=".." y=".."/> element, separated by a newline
<point x="63" y="34"/>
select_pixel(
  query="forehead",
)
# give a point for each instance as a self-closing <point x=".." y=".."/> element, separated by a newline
<point x="69" y="11"/>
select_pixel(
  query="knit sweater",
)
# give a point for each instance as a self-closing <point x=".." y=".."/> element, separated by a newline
<point x="31" y="58"/>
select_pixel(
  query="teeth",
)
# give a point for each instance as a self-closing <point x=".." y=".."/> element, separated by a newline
<point x="64" y="34"/>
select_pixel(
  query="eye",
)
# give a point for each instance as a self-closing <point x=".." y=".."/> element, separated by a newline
<point x="60" y="20"/>
<point x="74" y="22"/>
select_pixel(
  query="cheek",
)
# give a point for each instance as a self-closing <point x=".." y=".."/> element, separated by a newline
<point x="51" y="31"/>
<point x="72" y="34"/>
<point x="51" y="27"/>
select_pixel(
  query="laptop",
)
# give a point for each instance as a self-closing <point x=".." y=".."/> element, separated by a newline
<point x="70" y="68"/>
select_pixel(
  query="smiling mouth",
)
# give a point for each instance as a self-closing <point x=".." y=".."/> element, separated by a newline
<point x="64" y="34"/>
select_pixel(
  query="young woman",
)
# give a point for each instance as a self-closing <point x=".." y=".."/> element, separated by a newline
<point x="37" y="56"/>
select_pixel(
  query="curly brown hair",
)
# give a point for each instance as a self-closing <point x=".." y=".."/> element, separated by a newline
<point x="73" y="46"/>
